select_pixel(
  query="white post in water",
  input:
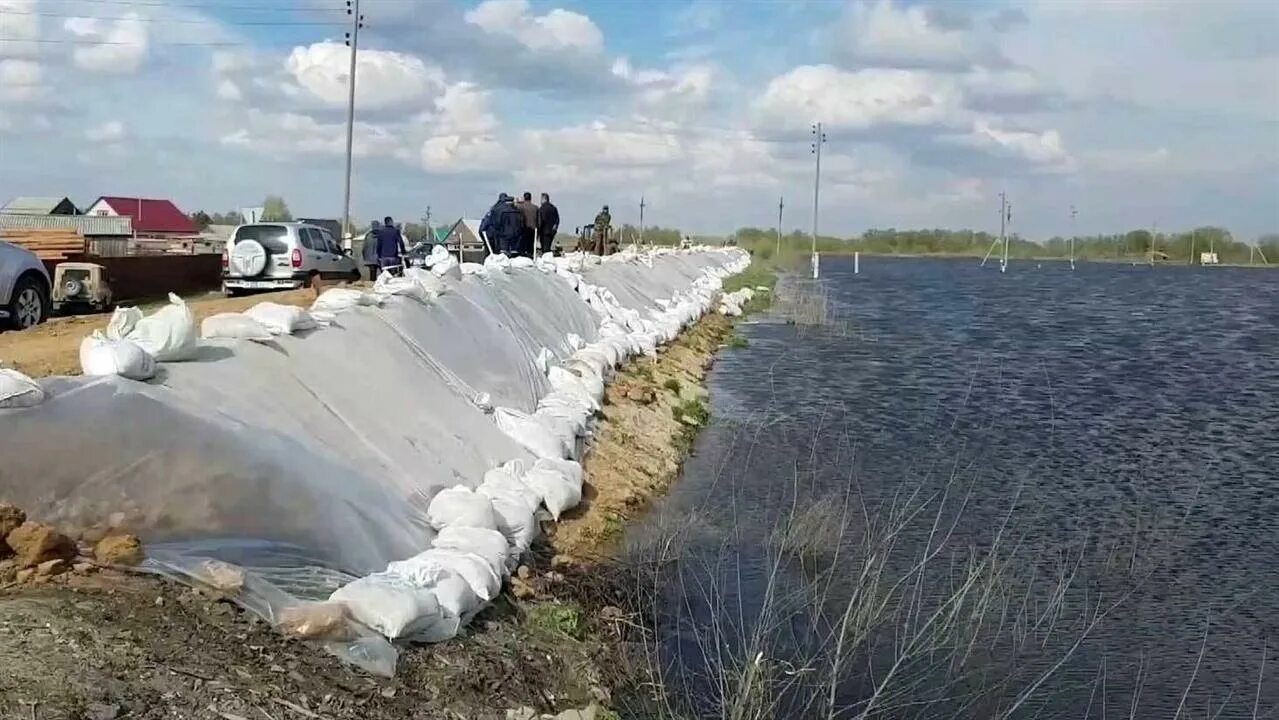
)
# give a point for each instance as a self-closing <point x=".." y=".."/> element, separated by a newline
<point x="819" y="139"/>
<point x="857" y="262"/>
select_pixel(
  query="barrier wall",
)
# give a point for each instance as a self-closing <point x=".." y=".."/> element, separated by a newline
<point x="312" y="460"/>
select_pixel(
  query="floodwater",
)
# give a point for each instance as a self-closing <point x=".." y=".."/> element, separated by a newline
<point x="1095" y="453"/>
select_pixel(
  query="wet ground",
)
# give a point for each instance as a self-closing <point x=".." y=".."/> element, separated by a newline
<point x="1082" y="465"/>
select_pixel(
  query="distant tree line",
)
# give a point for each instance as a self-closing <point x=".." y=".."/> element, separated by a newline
<point x="1176" y="247"/>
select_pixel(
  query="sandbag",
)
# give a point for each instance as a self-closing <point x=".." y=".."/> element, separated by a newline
<point x="567" y="382"/>
<point x="498" y="262"/>
<point x="559" y="491"/>
<point x="234" y="326"/>
<point x="586" y="375"/>
<point x="168" y="334"/>
<point x="100" y="355"/>
<point x="522" y="262"/>
<point x="469" y="268"/>
<point x="337" y="300"/>
<point x="427" y="280"/>
<point x="18" y="390"/>
<point x="388" y="285"/>
<point x="459" y="506"/>
<point x="529" y="432"/>
<point x="484" y="580"/>
<point x="281" y="319"/>
<point x="452" y="591"/>
<point x="515" y="505"/>
<point x="447" y="267"/>
<point x="488" y="544"/>
<point x="395" y="607"/>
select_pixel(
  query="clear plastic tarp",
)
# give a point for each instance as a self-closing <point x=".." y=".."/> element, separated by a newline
<point x="310" y="460"/>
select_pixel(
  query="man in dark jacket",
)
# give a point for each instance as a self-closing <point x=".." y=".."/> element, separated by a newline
<point x="548" y="223"/>
<point x="368" y="250"/>
<point x="502" y="225"/>
<point x="528" y="211"/>
<point x="390" y="245"/>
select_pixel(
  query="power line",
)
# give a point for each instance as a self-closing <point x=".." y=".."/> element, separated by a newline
<point x="260" y="7"/>
<point x="148" y="43"/>
<point x="187" y="21"/>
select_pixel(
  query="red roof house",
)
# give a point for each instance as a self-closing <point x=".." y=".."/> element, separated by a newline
<point x="150" y="217"/>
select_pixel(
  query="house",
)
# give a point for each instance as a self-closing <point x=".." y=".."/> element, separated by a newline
<point x="465" y="234"/>
<point x="92" y="235"/>
<point x="150" y="217"/>
<point x="40" y="206"/>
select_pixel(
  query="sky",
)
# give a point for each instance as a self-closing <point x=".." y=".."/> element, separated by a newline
<point x="1137" y="113"/>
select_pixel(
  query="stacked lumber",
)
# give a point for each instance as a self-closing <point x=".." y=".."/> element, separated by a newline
<point x="53" y="245"/>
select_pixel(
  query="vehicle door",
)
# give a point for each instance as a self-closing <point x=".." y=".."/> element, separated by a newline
<point x="315" y="257"/>
<point x="341" y="265"/>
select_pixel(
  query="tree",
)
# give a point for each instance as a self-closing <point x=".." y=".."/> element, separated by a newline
<point x="274" y="209"/>
<point x="201" y="219"/>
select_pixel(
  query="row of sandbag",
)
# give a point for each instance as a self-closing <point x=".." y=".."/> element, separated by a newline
<point x="483" y="532"/>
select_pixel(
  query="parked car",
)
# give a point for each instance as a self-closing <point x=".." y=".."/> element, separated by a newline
<point x="81" y="286"/>
<point x="24" y="287"/>
<point x="282" y="256"/>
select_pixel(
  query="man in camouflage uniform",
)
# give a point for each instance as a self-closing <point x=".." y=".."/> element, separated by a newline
<point x="602" y="226"/>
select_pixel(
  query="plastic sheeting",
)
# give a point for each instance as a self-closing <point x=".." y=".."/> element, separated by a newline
<point x="311" y="460"/>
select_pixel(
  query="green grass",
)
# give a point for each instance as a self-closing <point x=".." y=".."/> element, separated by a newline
<point x="737" y="341"/>
<point x="694" y="409"/>
<point x="673" y="385"/>
<point x="557" y="618"/>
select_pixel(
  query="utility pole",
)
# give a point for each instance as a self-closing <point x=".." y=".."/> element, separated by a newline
<point x="430" y="229"/>
<point x="781" y="203"/>
<point x="353" y="41"/>
<point x="1073" y="213"/>
<point x="819" y="139"/>
<point x="641" y="237"/>
<point x="1005" y="214"/>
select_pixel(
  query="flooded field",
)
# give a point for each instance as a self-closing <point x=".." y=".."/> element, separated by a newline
<point x="1040" y="494"/>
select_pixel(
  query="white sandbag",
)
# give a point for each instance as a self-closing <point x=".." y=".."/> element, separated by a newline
<point x="586" y="375"/>
<point x="438" y="254"/>
<point x="455" y="595"/>
<point x="281" y="319"/>
<point x="469" y="268"/>
<point x="122" y="322"/>
<point x="488" y="544"/>
<point x="336" y="300"/>
<point x="529" y="432"/>
<point x="427" y="280"/>
<point x="409" y="286"/>
<point x="395" y="607"/>
<point x="565" y="414"/>
<point x="565" y="425"/>
<point x="234" y="326"/>
<point x="522" y="262"/>
<point x="565" y="381"/>
<point x="447" y="267"/>
<point x="18" y="390"/>
<point x="596" y="359"/>
<point x="515" y="505"/>
<point x="574" y="341"/>
<point x="459" y="506"/>
<point x="557" y="490"/>
<point x="571" y="469"/>
<point x="544" y="359"/>
<point x="497" y="263"/>
<point x="426" y="569"/>
<point x="100" y="355"/>
<point x="168" y="334"/>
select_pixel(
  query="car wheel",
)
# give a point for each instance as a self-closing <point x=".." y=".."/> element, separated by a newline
<point x="30" y="304"/>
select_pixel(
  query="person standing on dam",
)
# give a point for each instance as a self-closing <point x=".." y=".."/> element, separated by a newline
<point x="502" y="226"/>
<point x="528" y="213"/>
<point x="390" y="246"/>
<point x="548" y="224"/>
<point x="603" y="223"/>
<point x="368" y="250"/>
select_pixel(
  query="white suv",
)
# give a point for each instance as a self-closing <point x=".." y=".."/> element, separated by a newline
<point x="24" y="288"/>
<point x="282" y="256"/>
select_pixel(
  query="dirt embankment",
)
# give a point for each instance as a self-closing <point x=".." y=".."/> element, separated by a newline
<point x="54" y="347"/>
<point x="107" y="644"/>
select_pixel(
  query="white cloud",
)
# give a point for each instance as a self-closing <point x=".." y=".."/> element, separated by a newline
<point x="883" y="33"/>
<point x="284" y="134"/>
<point x="1041" y="149"/>
<point x="383" y="77"/>
<point x="557" y="31"/>
<point x="20" y="23"/>
<point x="463" y="109"/>
<point x="229" y="90"/>
<point x="108" y="132"/>
<point x="600" y="145"/>
<point x="20" y="79"/>
<point x="860" y="99"/>
<point x="457" y="153"/>
<point x="123" y="47"/>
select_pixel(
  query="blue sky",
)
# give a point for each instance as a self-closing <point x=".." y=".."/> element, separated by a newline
<point x="1138" y="112"/>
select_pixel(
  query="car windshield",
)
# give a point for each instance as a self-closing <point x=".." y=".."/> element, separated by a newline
<point x="272" y="237"/>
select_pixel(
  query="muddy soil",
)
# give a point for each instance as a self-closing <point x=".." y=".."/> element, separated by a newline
<point x="54" y="347"/>
<point x="111" y="645"/>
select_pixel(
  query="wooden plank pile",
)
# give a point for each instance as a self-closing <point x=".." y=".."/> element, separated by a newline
<point x="53" y="245"/>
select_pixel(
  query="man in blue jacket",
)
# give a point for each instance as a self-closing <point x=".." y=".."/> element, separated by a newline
<point x="502" y="225"/>
<point x="390" y="245"/>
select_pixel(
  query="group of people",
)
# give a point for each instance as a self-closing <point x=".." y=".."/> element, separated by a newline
<point x="518" y="227"/>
